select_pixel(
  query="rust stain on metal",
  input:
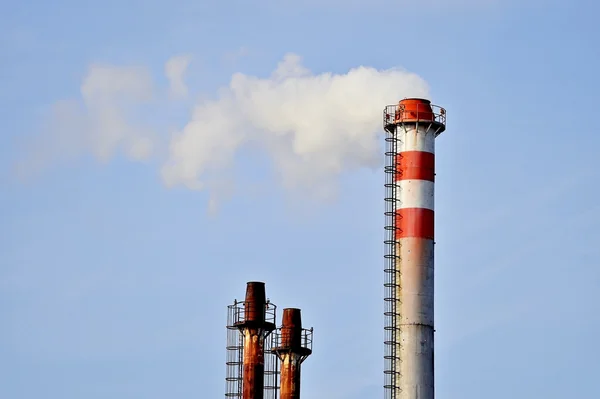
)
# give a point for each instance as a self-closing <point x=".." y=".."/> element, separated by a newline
<point x="254" y="365"/>
<point x="291" y="329"/>
<point x="290" y="377"/>
<point x="253" y="327"/>
<point x="254" y="305"/>
<point x="293" y="349"/>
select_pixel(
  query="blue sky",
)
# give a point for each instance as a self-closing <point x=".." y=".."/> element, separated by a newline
<point x="115" y="279"/>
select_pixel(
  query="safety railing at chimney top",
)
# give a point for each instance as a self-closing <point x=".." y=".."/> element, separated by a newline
<point x="306" y="338"/>
<point x="425" y="113"/>
<point x="238" y="312"/>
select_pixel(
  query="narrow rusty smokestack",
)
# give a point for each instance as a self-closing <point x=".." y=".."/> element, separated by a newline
<point x="254" y="328"/>
<point x="294" y="346"/>
<point x="254" y="305"/>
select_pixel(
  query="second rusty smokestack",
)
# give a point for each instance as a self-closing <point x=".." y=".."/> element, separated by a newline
<point x="254" y="328"/>
<point x="293" y="348"/>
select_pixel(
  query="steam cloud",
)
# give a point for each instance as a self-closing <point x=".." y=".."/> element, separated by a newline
<point x="175" y="70"/>
<point x="312" y="127"/>
<point x="101" y="124"/>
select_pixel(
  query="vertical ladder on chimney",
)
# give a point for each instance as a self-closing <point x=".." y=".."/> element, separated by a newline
<point x="271" y="368"/>
<point x="391" y="273"/>
<point x="235" y="355"/>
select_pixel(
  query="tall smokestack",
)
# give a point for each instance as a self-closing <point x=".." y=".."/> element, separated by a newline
<point x="254" y="322"/>
<point x="253" y="328"/>
<point x="412" y="125"/>
<point x="294" y="345"/>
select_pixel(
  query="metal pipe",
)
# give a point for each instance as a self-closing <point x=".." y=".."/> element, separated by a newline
<point x="253" y="329"/>
<point x="293" y="348"/>
<point x="414" y="124"/>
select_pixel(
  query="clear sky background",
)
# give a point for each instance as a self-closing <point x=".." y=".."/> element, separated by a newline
<point x="116" y="265"/>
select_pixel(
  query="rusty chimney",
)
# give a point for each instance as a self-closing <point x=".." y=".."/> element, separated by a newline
<point x="254" y="320"/>
<point x="294" y="345"/>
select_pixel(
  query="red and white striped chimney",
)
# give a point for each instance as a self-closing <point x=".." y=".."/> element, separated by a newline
<point x="413" y="125"/>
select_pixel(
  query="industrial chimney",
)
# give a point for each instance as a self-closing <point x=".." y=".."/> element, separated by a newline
<point x="412" y="126"/>
<point x="293" y="344"/>
<point x="249" y="323"/>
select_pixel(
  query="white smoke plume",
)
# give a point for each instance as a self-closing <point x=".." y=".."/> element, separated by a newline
<point x="107" y="93"/>
<point x="175" y="70"/>
<point x="312" y="127"/>
<point x="102" y="123"/>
